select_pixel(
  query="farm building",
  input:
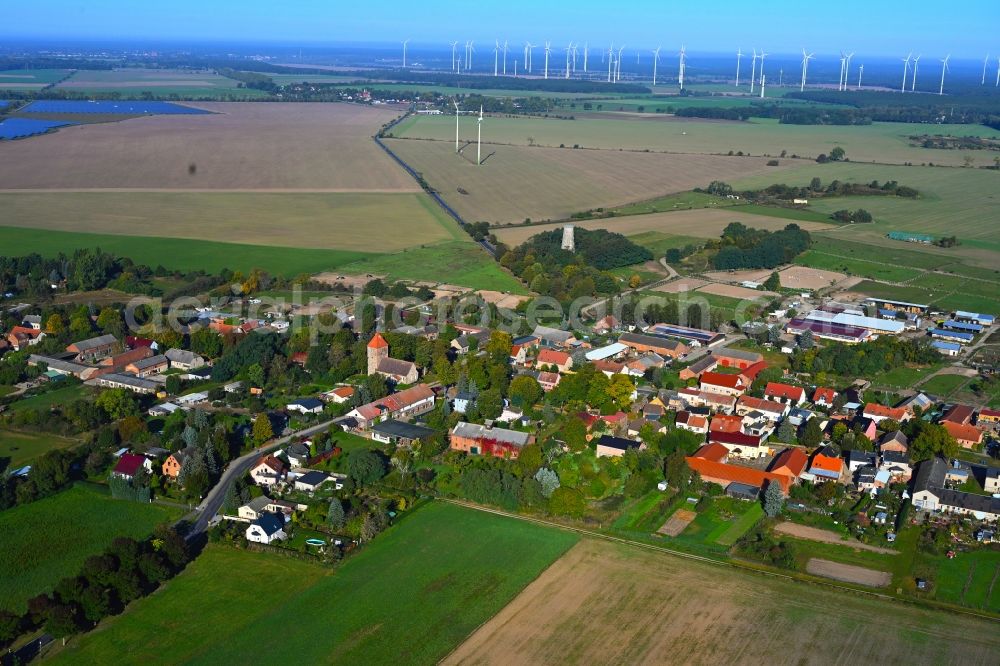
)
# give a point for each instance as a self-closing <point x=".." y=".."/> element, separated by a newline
<point x="974" y="317"/>
<point x="952" y="336"/>
<point x="695" y="335"/>
<point x="876" y="325"/>
<point x="608" y="446"/>
<point x="964" y="326"/>
<point x="898" y="306"/>
<point x="658" y="344"/>
<point x="736" y="358"/>
<point x="829" y="331"/>
<point x="908" y="237"/>
<point x="399" y="432"/>
<point x="482" y="440"/>
<point x="947" y="348"/>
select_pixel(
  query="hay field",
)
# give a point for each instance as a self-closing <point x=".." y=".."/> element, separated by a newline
<point x="259" y="146"/>
<point x="878" y="142"/>
<point x="549" y="183"/>
<point x="700" y="223"/>
<point x="609" y="603"/>
<point x="961" y="202"/>
<point x="363" y="222"/>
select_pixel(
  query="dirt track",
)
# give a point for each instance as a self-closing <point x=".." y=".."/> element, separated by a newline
<point x="825" y="536"/>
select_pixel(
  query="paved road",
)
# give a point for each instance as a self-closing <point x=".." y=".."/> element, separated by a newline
<point x="237" y="468"/>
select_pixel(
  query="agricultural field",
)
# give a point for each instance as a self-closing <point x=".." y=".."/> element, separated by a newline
<point x="958" y="202"/>
<point x="518" y="182"/>
<point x="299" y="147"/>
<point x="944" y="385"/>
<point x="47" y="540"/>
<point x="969" y="580"/>
<point x="701" y="223"/>
<point x="19" y="448"/>
<point x="611" y="603"/>
<point x="133" y="82"/>
<point x="179" y="254"/>
<point x="411" y="596"/>
<point x="944" y="299"/>
<point x="866" y="269"/>
<point x="878" y="142"/>
<point x="30" y="79"/>
<point x="351" y="221"/>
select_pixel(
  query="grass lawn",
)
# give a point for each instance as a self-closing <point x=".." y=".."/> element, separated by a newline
<point x="970" y="579"/>
<point x="59" y="396"/>
<point x="741" y="525"/>
<point x="646" y="514"/>
<point x="902" y="376"/>
<point x="410" y="596"/>
<point x="179" y="254"/>
<point x="19" y="448"/>
<point x="944" y="385"/>
<point x="47" y="540"/>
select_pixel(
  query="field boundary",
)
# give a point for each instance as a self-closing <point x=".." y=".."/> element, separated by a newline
<point x="735" y="564"/>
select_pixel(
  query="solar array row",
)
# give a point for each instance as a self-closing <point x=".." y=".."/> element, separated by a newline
<point x="18" y="128"/>
<point x="109" y="106"/>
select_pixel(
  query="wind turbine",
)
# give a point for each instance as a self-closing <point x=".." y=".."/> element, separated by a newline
<point x="496" y="58"/>
<point x="762" y="79"/>
<point x="656" y="59"/>
<point x="998" y="73"/>
<point x="479" y="146"/>
<point x="548" y="49"/>
<point x="611" y="57"/>
<point x="906" y="69"/>
<point x="618" y="69"/>
<point x="574" y="47"/>
<point x="913" y="80"/>
<point x="472" y="49"/>
<point x="505" y="57"/>
<point x="680" y="69"/>
<point x="847" y="68"/>
<point x="586" y="54"/>
<point x="986" y="60"/>
<point x="762" y="56"/>
<point x="528" y="48"/>
<point x="753" y="71"/>
<point x="405" y="42"/>
<point x="806" y="57"/>
<point x="456" y="125"/>
<point x="454" y="46"/>
<point x="840" y="81"/>
<point x="569" y="50"/>
<point x="739" y="56"/>
<point x="944" y="68"/>
<point x="861" y="70"/>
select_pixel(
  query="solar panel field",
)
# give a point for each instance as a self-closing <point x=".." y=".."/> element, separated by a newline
<point x="21" y="128"/>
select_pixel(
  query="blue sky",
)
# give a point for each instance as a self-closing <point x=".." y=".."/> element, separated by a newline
<point x="874" y="27"/>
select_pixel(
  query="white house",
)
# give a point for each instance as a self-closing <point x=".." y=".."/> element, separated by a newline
<point x="266" y="529"/>
<point x="269" y="471"/>
<point x="306" y="406"/>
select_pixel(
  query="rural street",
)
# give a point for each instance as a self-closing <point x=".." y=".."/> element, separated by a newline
<point x="237" y="468"/>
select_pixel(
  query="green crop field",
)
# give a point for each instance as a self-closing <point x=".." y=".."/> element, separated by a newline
<point x="353" y="221"/>
<point x="878" y="142"/>
<point x="133" y="82"/>
<point x="866" y="269"/>
<point x="18" y="448"/>
<point x="48" y="540"/>
<point x="179" y="254"/>
<point x="411" y="596"/>
<point x="969" y="580"/>
<point x="30" y="79"/>
<point x="658" y="243"/>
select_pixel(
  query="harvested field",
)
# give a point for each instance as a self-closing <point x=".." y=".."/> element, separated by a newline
<point x="502" y="300"/>
<point x="518" y="182"/>
<point x="608" y="603"/>
<point x="344" y="221"/>
<point x="732" y="291"/>
<point x="800" y="277"/>
<point x="739" y="276"/>
<point x="826" y="536"/>
<point x="677" y="522"/>
<point x="848" y="573"/>
<point x="703" y="223"/>
<point x="242" y="146"/>
<point x="682" y="285"/>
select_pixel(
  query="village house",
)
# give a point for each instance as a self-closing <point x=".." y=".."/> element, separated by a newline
<point x="615" y="447"/>
<point x="171" y="467"/>
<point x="961" y="414"/>
<point x="128" y="382"/>
<point x="894" y="442"/>
<point x="966" y="435"/>
<point x="715" y="382"/>
<point x="305" y="406"/>
<point x="661" y="345"/>
<point x="562" y="361"/>
<point x="269" y="471"/>
<point x="131" y="465"/>
<point x="266" y="529"/>
<point x="379" y="362"/>
<point x="553" y="337"/>
<point x="786" y="393"/>
<point x="310" y="481"/>
<point x="148" y="367"/>
<point x="405" y="404"/>
<point x="482" y="440"/>
<point x="736" y="358"/>
<point x="771" y="410"/>
<point x="20" y="337"/>
<point x="717" y="402"/>
<point x="258" y="506"/>
<point x="93" y="349"/>
<point x="879" y="413"/>
<point x="696" y="369"/>
<point x="400" y="433"/>
<point x="184" y="360"/>
<point x="741" y="444"/>
<point x="606" y="325"/>
<point x="120" y="362"/>
<point x="826" y="466"/>
<point x="548" y="380"/>
<point x="824" y="397"/>
<point x="691" y="422"/>
<point x="790" y="463"/>
<point x="710" y="461"/>
<point x="930" y="494"/>
<point x="897" y="465"/>
<point x="339" y="395"/>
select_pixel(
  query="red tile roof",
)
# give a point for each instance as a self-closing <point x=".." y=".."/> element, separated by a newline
<point x="377" y="342"/>
<point x="962" y="432"/>
<point x="735" y="438"/>
<point x="875" y="409"/>
<point x="823" y="394"/>
<point x="828" y="463"/>
<point x="959" y="414"/>
<point x="720" y="379"/>
<point x="752" y="371"/>
<point x="791" y="462"/>
<point x="726" y="423"/>
<point x="760" y="404"/>
<point x="776" y="390"/>
<point x="552" y="357"/>
<point x="129" y="464"/>
<point x="717" y="471"/>
<point x="396" y="402"/>
<point x="713" y="452"/>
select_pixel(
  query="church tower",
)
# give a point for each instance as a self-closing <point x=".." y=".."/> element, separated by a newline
<point x="378" y="349"/>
